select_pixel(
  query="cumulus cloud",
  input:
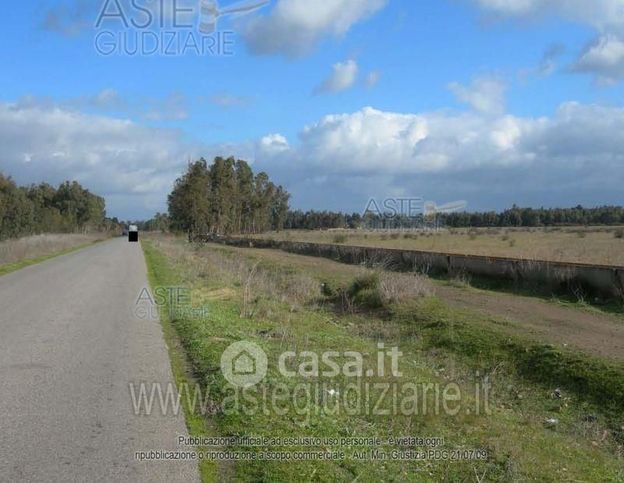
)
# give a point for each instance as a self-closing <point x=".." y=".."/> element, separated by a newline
<point x="343" y="76"/>
<point x="273" y="143"/>
<point x="574" y="156"/>
<point x="339" y="162"/>
<point x="605" y="58"/>
<point x="294" y="27"/>
<point x="132" y="164"/>
<point x="485" y="94"/>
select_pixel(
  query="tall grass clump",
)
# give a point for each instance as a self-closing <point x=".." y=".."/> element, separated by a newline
<point x="376" y="290"/>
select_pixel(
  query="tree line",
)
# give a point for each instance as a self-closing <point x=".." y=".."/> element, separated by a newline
<point x="535" y="217"/>
<point x="42" y="208"/>
<point x="512" y="217"/>
<point x="226" y="197"/>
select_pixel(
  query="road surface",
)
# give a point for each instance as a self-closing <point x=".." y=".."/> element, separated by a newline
<point x="70" y="346"/>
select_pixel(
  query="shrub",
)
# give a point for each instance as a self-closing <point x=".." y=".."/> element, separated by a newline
<point x="364" y="282"/>
<point x="369" y="298"/>
<point x="619" y="233"/>
<point x="327" y="289"/>
<point x="340" y="238"/>
<point x="395" y="236"/>
<point x="374" y="290"/>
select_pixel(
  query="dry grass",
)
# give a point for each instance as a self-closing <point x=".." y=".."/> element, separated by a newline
<point x="12" y="251"/>
<point x="600" y="245"/>
<point x="258" y="281"/>
<point x="402" y="287"/>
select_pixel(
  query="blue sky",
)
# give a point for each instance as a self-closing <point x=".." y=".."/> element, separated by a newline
<point x="343" y="100"/>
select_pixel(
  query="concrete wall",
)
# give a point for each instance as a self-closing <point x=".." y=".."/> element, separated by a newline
<point x="598" y="280"/>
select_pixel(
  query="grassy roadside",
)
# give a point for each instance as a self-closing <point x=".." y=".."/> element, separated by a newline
<point x="162" y="274"/>
<point x="12" y="267"/>
<point x="255" y="300"/>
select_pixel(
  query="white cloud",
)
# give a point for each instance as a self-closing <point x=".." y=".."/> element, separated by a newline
<point x="294" y="27"/>
<point x="605" y="58"/>
<point x="574" y="156"/>
<point x="343" y="76"/>
<point x="113" y="157"/>
<point x="273" y="143"/>
<point x="485" y="94"/>
<point x="601" y="14"/>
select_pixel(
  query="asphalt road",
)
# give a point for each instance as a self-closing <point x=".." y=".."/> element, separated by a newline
<point x="70" y="346"/>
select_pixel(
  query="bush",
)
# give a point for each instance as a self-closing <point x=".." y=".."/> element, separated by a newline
<point x="369" y="298"/>
<point x="374" y="290"/>
<point x="619" y="233"/>
<point x="395" y="236"/>
<point x="364" y="282"/>
<point x="340" y="238"/>
<point x="327" y="290"/>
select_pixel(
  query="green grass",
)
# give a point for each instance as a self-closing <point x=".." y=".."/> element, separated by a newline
<point x="440" y="345"/>
<point x="591" y="379"/>
<point x="12" y="267"/>
<point x="162" y="274"/>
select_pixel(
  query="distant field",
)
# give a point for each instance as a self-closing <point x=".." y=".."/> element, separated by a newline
<point x="34" y="247"/>
<point x="600" y="245"/>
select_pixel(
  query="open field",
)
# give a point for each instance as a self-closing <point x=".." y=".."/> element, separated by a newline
<point x="15" y="254"/>
<point x="555" y="321"/>
<point x="285" y="302"/>
<point x="599" y="245"/>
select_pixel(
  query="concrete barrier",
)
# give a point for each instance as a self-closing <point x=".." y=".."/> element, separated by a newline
<point x="598" y="280"/>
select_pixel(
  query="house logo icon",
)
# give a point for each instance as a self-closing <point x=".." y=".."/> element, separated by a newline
<point x="244" y="364"/>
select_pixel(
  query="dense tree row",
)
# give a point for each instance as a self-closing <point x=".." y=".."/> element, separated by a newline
<point x="513" y="217"/>
<point x="224" y="198"/>
<point x="531" y="217"/>
<point x="160" y="222"/>
<point x="45" y="209"/>
<point x="314" y="220"/>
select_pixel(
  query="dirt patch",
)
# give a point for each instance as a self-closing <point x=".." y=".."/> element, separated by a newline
<point x="595" y="333"/>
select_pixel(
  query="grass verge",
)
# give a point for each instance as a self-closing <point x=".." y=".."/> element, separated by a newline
<point x="12" y="267"/>
<point x="264" y="303"/>
<point x="162" y="274"/>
